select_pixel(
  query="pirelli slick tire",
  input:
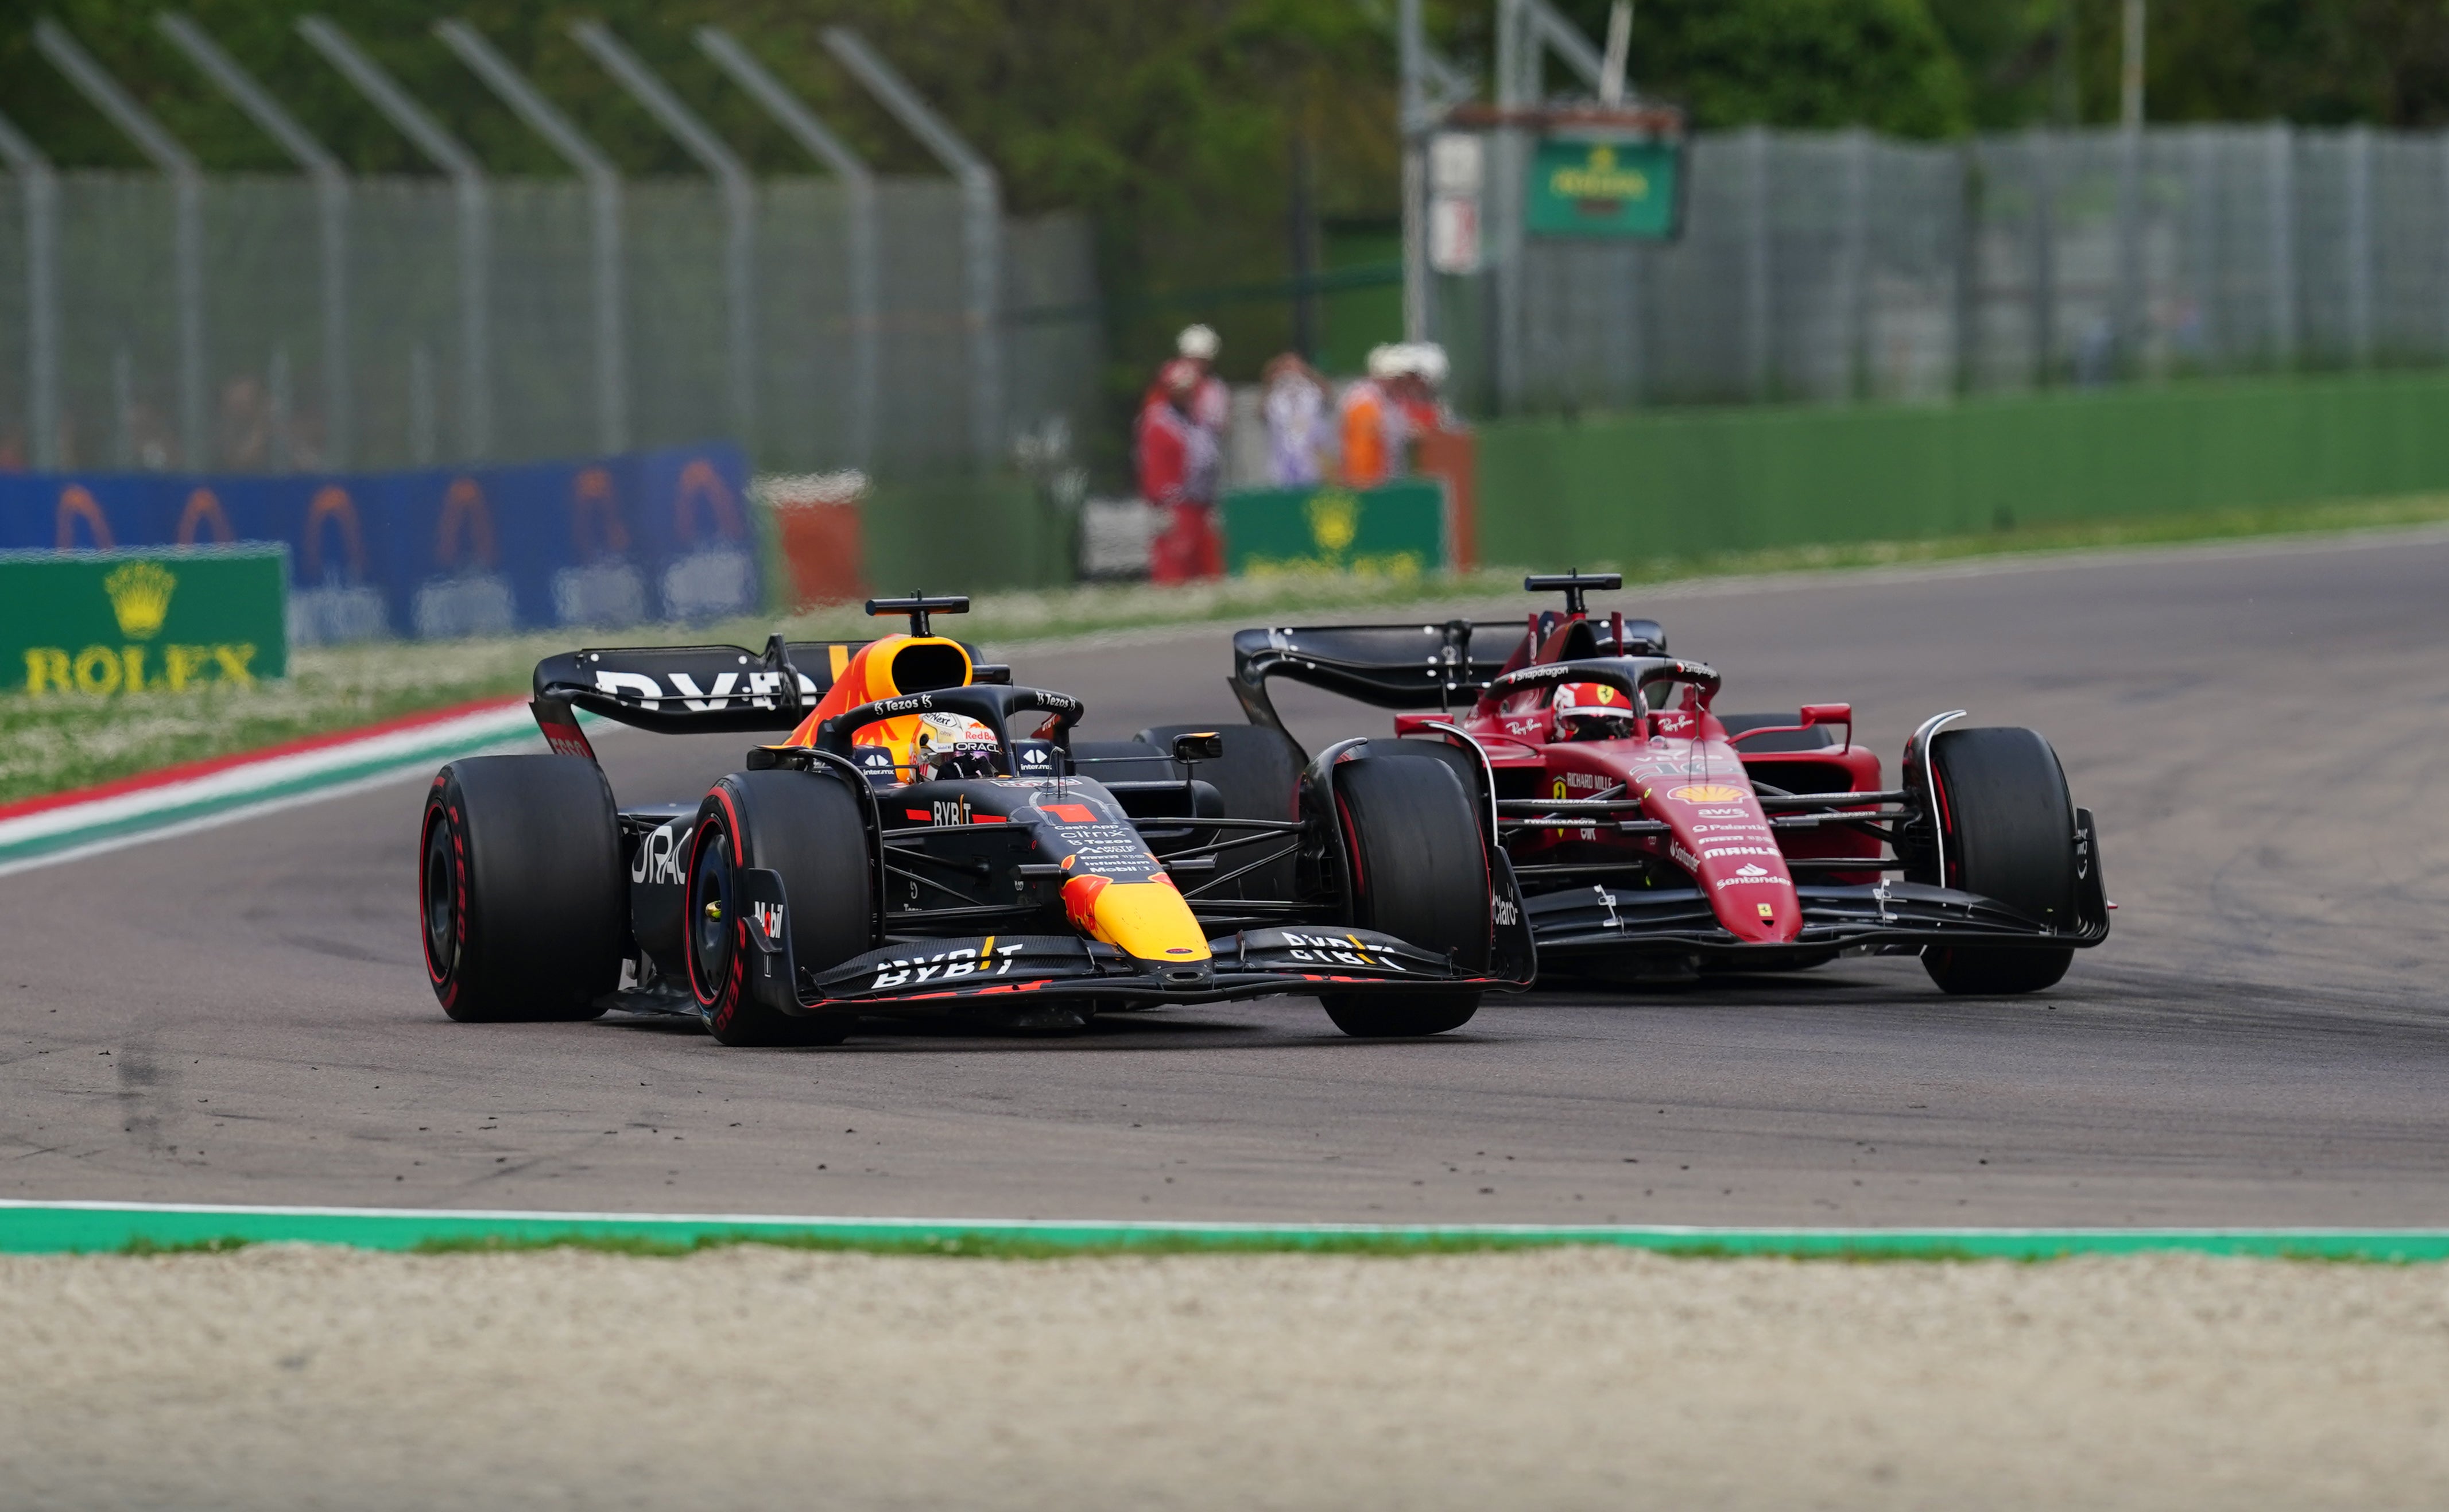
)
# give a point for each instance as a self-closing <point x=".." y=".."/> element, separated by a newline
<point x="806" y="826"/>
<point x="520" y="889"/>
<point x="2007" y="827"/>
<point x="1259" y="777"/>
<point x="1419" y="875"/>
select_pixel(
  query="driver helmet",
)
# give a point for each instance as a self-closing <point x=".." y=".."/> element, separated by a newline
<point x="954" y="745"/>
<point x="1593" y="711"/>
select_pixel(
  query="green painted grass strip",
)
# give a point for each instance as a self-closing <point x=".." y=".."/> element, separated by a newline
<point x="30" y="1228"/>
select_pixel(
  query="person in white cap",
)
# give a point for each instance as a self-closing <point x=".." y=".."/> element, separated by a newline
<point x="1416" y="387"/>
<point x="1374" y="429"/>
<point x="1211" y="408"/>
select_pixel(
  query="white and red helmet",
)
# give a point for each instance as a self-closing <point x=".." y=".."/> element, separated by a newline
<point x="1592" y="711"/>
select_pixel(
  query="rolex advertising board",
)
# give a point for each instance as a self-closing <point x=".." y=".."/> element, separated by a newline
<point x="92" y="623"/>
<point x="1583" y="186"/>
<point x="1395" y="529"/>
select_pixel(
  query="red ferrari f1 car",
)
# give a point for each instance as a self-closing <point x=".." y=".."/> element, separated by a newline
<point x="925" y="839"/>
<point x="1649" y="833"/>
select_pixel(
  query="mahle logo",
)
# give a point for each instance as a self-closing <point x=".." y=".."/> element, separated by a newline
<point x="140" y="597"/>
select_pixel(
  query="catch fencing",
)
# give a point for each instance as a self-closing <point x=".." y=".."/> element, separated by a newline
<point x="402" y="385"/>
<point x="1846" y="266"/>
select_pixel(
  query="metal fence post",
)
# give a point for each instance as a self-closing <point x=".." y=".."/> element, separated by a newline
<point x="332" y="203"/>
<point x="2440" y="146"/>
<point x="2202" y="222"/>
<point x="2360" y="246"/>
<point x="1965" y="304"/>
<point x="1857" y="262"/>
<point x="604" y="200"/>
<point x="739" y="201"/>
<point x="2127" y="300"/>
<point x="2041" y="147"/>
<point x="1758" y="355"/>
<point x="41" y="187"/>
<point x="2280" y="177"/>
<point x="1505" y="239"/>
<point x="1411" y="126"/>
<point x="188" y="234"/>
<point x="474" y="216"/>
<point x="858" y="190"/>
<point x="982" y="227"/>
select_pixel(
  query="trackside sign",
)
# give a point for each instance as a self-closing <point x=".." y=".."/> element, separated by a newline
<point x="1393" y="531"/>
<point x="92" y="623"/>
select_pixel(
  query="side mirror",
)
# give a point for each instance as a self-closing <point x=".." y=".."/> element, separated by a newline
<point x="1831" y="714"/>
<point x="1206" y="745"/>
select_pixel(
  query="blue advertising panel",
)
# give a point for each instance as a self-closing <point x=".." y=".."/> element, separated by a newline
<point x="442" y="553"/>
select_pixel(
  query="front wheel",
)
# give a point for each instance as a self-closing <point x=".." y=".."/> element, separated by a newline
<point x="1419" y="874"/>
<point x="2006" y="833"/>
<point x="807" y="827"/>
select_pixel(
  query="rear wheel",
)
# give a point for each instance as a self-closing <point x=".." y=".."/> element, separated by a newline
<point x="520" y="889"/>
<point x="807" y="827"/>
<point x="2007" y="830"/>
<point x="1419" y="875"/>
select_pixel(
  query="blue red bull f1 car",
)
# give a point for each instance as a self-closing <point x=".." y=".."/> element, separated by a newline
<point x="925" y="838"/>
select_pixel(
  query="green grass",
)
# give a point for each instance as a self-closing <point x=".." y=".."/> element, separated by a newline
<point x="57" y="742"/>
<point x="226" y="1245"/>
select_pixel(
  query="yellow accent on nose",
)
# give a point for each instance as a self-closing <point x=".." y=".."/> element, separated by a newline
<point x="1149" y="920"/>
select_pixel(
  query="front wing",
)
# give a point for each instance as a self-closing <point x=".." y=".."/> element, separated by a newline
<point x="1602" y="920"/>
<point x="938" y="974"/>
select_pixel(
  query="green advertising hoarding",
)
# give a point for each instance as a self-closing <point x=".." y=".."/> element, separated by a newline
<point x="1582" y="186"/>
<point x="1395" y="529"/>
<point x="92" y="623"/>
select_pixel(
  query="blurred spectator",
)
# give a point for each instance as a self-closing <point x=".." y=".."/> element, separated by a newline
<point x="1372" y="421"/>
<point x="1211" y="407"/>
<point x="1178" y="467"/>
<point x="1420" y="389"/>
<point x="246" y="426"/>
<point x="1300" y="443"/>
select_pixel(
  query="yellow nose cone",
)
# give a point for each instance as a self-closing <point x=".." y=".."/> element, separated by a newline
<point x="1147" y="920"/>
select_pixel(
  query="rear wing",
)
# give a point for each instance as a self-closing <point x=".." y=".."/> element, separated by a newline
<point x="693" y="689"/>
<point x="1393" y="667"/>
<point x="1406" y="666"/>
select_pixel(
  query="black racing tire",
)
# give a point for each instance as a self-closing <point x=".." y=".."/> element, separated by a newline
<point x="806" y="826"/>
<point x="1259" y="777"/>
<point x="1464" y="766"/>
<point x="1420" y="873"/>
<point x="2007" y="827"/>
<point x="521" y="896"/>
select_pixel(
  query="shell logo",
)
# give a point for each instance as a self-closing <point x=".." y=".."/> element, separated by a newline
<point x="1707" y="793"/>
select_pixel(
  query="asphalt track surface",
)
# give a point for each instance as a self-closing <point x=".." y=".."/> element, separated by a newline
<point x="238" y="1015"/>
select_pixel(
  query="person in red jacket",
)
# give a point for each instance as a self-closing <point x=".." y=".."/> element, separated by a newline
<point x="1176" y="473"/>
